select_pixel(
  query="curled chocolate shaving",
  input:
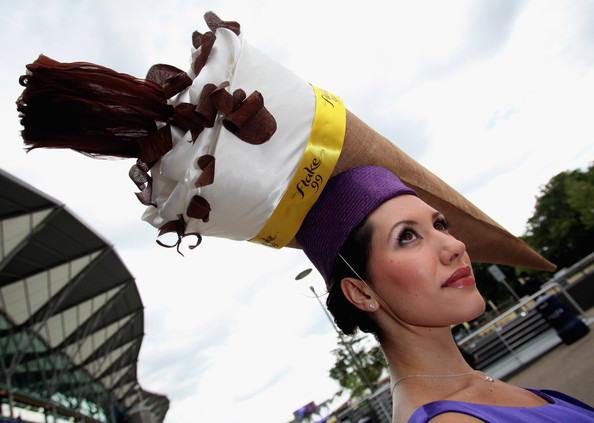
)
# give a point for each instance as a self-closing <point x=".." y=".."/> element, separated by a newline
<point x="251" y="121"/>
<point x="199" y="208"/>
<point x="198" y="241"/>
<point x="214" y="22"/>
<point x="155" y="145"/>
<point x="139" y="176"/>
<point x="245" y="112"/>
<point x="205" y="110"/>
<point x="207" y="164"/>
<point x="205" y="161"/>
<point x="225" y="102"/>
<point x="176" y="84"/>
<point x="239" y="96"/>
<point x="186" y="118"/>
<point x="207" y="40"/>
<point x="178" y="227"/>
<point x="142" y="165"/>
<point x="221" y="99"/>
<point x="145" y="196"/>
<point x="196" y="39"/>
<point x="160" y="73"/>
<point x="171" y="79"/>
<point x="144" y="183"/>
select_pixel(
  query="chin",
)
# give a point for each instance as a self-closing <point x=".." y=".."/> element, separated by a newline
<point x="471" y="310"/>
<point x="479" y="309"/>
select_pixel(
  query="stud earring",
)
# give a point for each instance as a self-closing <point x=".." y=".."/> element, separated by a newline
<point x="372" y="305"/>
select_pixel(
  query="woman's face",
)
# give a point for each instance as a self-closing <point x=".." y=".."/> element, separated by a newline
<point x="421" y="271"/>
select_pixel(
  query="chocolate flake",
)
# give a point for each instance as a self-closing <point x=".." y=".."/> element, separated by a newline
<point x="251" y="121"/>
<point x="142" y="165"/>
<point x="171" y="79"/>
<point x="178" y="227"/>
<point x="239" y="96"/>
<point x="186" y="118"/>
<point x="207" y="164"/>
<point x="205" y="110"/>
<point x="144" y="183"/>
<point x="221" y="99"/>
<point x="155" y="145"/>
<point x="199" y="208"/>
<point x="196" y="39"/>
<point x="139" y="176"/>
<point x="207" y="41"/>
<point x="205" y="161"/>
<point x="145" y="196"/>
<point x="214" y="22"/>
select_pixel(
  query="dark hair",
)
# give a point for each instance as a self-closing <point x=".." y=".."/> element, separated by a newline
<point x="356" y="251"/>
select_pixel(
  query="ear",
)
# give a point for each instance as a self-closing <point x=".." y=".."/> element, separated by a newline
<point x="359" y="294"/>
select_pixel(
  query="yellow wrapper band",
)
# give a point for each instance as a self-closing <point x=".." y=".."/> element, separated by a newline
<point x="321" y="155"/>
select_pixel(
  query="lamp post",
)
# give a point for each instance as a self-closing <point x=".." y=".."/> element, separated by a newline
<point x="344" y="341"/>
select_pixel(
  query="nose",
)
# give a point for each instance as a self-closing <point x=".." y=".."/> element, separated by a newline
<point x="452" y="249"/>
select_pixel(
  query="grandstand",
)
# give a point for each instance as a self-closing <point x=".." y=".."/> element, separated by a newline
<point x="71" y="319"/>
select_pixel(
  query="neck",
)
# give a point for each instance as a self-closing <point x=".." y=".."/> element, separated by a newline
<point x="413" y="351"/>
<point x="430" y="351"/>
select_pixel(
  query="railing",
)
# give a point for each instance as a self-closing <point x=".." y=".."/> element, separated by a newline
<point x="512" y="333"/>
<point x="377" y="407"/>
<point x="504" y="339"/>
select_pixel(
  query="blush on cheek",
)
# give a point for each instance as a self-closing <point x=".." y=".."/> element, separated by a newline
<point x="420" y="274"/>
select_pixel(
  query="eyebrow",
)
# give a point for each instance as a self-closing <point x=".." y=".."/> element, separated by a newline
<point x="409" y="222"/>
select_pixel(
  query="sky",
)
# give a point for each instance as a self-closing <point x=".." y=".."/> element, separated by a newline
<point x="494" y="97"/>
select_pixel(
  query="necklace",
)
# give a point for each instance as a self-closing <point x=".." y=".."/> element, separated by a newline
<point x="486" y="379"/>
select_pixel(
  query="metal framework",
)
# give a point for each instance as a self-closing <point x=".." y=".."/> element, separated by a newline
<point x="71" y="318"/>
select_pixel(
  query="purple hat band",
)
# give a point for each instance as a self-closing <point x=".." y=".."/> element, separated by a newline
<point x="346" y="201"/>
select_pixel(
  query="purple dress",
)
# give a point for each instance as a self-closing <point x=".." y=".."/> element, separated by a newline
<point x="562" y="409"/>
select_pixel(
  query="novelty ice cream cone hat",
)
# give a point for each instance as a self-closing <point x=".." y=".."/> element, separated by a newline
<point x="237" y="147"/>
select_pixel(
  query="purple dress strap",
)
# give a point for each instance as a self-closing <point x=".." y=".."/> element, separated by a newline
<point x="561" y="409"/>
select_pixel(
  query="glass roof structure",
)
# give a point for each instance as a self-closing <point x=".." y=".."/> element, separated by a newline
<point x="71" y="318"/>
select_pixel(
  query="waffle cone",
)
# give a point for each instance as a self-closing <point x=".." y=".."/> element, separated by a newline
<point x="485" y="239"/>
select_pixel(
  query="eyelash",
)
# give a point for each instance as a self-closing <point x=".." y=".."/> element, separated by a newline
<point x="444" y="222"/>
<point x="408" y="230"/>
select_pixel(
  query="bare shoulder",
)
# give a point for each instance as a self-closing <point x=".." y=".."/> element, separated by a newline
<point x="454" y="418"/>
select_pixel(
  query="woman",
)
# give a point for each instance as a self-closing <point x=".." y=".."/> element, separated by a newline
<point x="393" y="269"/>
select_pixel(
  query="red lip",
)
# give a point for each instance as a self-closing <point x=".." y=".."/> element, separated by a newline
<point x="460" y="278"/>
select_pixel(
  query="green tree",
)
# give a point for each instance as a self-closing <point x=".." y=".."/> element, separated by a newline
<point x="345" y="372"/>
<point x="562" y="227"/>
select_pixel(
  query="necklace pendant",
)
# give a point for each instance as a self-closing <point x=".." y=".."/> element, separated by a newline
<point x="489" y="379"/>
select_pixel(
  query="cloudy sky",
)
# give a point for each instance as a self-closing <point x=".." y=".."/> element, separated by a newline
<point x="493" y="97"/>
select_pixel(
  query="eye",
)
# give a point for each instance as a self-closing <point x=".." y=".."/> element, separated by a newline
<point x="407" y="235"/>
<point x="441" y="224"/>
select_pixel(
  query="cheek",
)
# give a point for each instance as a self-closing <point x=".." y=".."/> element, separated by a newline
<point x="414" y="273"/>
<point x="400" y="276"/>
<point x="422" y="273"/>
